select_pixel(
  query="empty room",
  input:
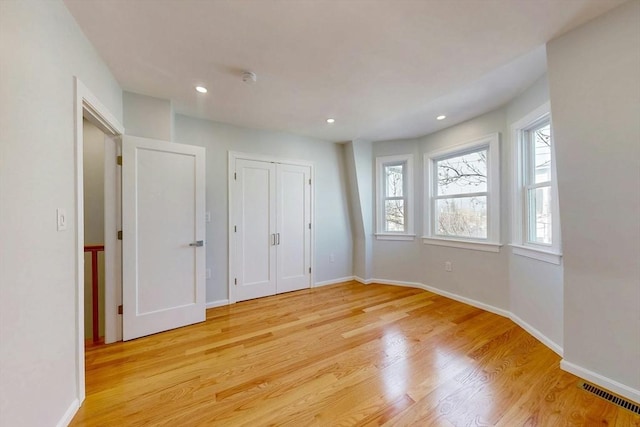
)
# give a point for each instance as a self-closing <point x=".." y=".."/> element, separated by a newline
<point x="319" y="212"/>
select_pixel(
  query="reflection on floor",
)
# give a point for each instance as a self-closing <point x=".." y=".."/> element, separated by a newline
<point x="346" y="354"/>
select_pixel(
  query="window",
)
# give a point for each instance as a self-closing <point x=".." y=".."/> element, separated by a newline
<point x="462" y="204"/>
<point x="537" y="183"/>
<point x="535" y="231"/>
<point x="461" y="195"/>
<point x="394" y="192"/>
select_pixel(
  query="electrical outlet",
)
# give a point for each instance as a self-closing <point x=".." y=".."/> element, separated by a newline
<point x="208" y="273"/>
<point x="447" y="266"/>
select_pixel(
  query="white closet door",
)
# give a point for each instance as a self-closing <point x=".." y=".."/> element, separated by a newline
<point x="293" y="231"/>
<point x="255" y="214"/>
<point x="163" y="268"/>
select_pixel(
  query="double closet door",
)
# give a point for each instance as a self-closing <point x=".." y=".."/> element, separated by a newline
<point x="271" y="220"/>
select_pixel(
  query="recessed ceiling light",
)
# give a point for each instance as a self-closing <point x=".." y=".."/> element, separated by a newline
<point x="201" y="89"/>
<point x="331" y="121"/>
<point x="441" y="117"/>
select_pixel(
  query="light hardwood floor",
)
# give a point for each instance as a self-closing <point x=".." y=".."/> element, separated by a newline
<point x="340" y="355"/>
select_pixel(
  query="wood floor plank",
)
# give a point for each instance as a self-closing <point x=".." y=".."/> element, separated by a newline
<point x="340" y="355"/>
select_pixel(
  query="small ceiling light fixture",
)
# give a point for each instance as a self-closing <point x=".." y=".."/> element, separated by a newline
<point x="441" y="117"/>
<point x="249" y="77"/>
<point x="331" y="121"/>
<point x="201" y="89"/>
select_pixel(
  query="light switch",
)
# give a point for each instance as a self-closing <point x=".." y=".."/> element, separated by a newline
<point x="62" y="219"/>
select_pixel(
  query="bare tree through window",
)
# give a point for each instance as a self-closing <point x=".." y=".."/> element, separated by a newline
<point x="461" y="195"/>
<point x="538" y="185"/>
<point x="394" y="200"/>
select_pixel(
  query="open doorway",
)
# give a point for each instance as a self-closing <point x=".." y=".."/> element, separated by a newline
<point x="89" y="108"/>
<point x="102" y="219"/>
<point x="94" y="233"/>
<point x="164" y="267"/>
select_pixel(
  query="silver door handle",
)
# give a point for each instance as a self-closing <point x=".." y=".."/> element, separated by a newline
<point x="197" y="243"/>
<point x="277" y="238"/>
<point x="273" y="240"/>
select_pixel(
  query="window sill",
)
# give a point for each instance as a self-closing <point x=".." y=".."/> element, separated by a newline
<point x="390" y="236"/>
<point x="539" y="254"/>
<point x="462" y="244"/>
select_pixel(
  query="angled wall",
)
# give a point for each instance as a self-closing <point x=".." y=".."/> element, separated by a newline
<point x="595" y="101"/>
<point x="359" y="167"/>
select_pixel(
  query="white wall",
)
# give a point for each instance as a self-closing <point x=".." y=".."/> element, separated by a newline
<point x="332" y="225"/>
<point x="93" y="182"/>
<point x="595" y="102"/>
<point x="476" y="275"/>
<point x="529" y="289"/>
<point x="481" y="276"/>
<point x="400" y="260"/>
<point x="147" y="117"/>
<point x="42" y="49"/>
<point x="535" y="287"/>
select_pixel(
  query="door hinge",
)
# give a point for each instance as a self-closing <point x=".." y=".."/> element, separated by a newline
<point x="235" y="281"/>
<point x="120" y="309"/>
<point x="309" y="226"/>
<point x="309" y="270"/>
<point x="120" y="235"/>
<point x="119" y="160"/>
<point x="309" y="181"/>
<point x="235" y="176"/>
<point x="235" y="228"/>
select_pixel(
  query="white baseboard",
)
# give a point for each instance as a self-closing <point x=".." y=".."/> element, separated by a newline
<point x="361" y="280"/>
<point x="218" y="303"/>
<point x="397" y="283"/>
<point x="69" y="414"/>
<point x="602" y="381"/>
<point x="465" y="300"/>
<point x="537" y="334"/>
<point x="499" y="311"/>
<point x="333" y="281"/>
<point x="495" y="310"/>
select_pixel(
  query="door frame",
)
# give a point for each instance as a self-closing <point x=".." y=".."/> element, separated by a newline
<point x="112" y="247"/>
<point x="88" y="106"/>
<point x="236" y="155"/>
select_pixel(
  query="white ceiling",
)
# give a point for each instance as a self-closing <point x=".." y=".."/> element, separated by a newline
<point x="382" y="68"/>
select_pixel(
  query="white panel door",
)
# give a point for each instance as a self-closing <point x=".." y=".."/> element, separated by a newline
<point x="294" y="227"/>
<point x="163" y="203"/>
<point x="255" y="223"/>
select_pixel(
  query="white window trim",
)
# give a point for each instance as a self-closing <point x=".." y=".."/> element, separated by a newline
<point x="519" y="245"/>
<point x="492" y="243"/>
<point x="395" y="236"/>
<point x="535" y="253"/>
<point x="462" y="244"/>
<point x="408" y="234"/>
